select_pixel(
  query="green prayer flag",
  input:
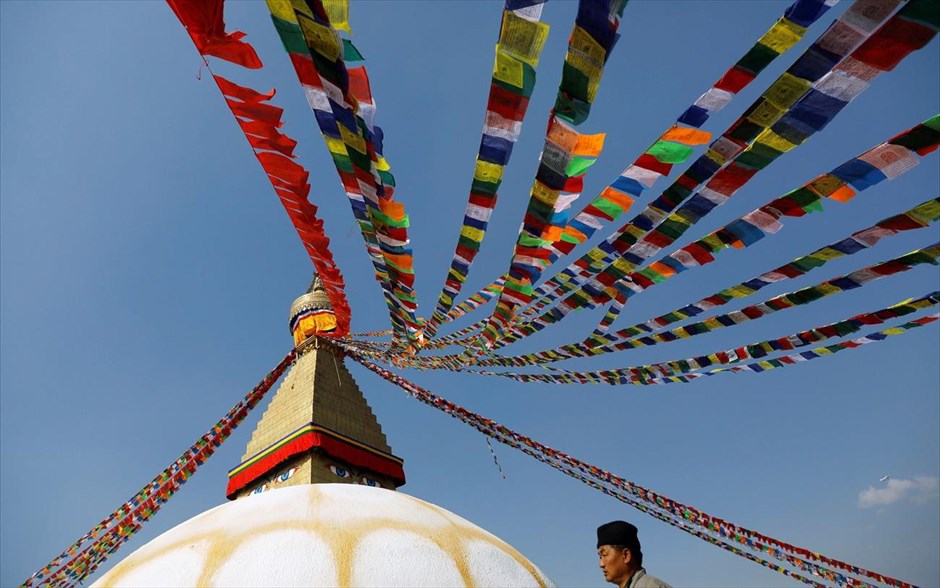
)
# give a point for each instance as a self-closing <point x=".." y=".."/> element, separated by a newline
<point x="612" y="209"/>
<point x="350" y="53"/>
<point x="578" y="165"/>
<point x="291" y="37"/>
<point x="529" y="241"/>
<point x="669" y="151"/>
<point x="757" y="58"/>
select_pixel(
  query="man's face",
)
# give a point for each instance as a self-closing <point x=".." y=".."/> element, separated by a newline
<point x="614" y="562"/>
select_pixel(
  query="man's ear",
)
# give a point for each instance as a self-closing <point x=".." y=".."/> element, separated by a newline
<point x="627" y="555"/>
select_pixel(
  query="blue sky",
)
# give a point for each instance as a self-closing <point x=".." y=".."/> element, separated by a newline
<point x="147" y="269"/>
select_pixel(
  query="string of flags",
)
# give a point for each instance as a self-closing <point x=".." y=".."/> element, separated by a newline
<point x="336" y="84"/>
<point x="758" y="350"/>
<point x="885" y="161"/>
<point x="261" y="123"/>
<point x="919" y="216"/>
<point x="683" y="516"/>
<point x="643" y="334"/>
<point x="76" y="563"/>
<point x="521" y="39"/>
<point x="754" y="141"/>
<point x="675" y="145"/>
<point x="869" y="39"/>
<point x="565" y="159"/>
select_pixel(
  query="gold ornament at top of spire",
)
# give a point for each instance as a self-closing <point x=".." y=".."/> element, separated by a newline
<point x="311" y="313"/>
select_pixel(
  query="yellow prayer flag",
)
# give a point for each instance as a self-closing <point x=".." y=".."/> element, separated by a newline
<point x="827" y="289"/>
<point x="765" y="114"/>
<point x="382" y="164"/>
<point x="774" y="141"/>
<point x="686" y="136"/>
<point x="740" y="291"/>
<point x="300" y="8"/>
<point x="338" y="13"/>
<point x="589" y="69"/>
<point x="523" y="38"/>
<point x="472" y="233"/>
<point x="712" y="324"/>
<point x="623" y="265"/>
<point x="353" y="140"/>
<point x="926" y="212"/>
<point x="323" y="39"/>
<point x="893" y="331"/>
<point x="787" y="90"/>
<point x="635" y="231"/>
<point x="595" y="254"/>
<point x="335" y="145"/>
<point x="487" y="172"/>
<point x="544" y="194"/>
<point x="715" y="156"/>
<point x="282" y="9"/>
<point x="783" y="35"/>
<point x="827" y="253"/>
<point x="508" y="69"/>
<point x="593" y="52"/>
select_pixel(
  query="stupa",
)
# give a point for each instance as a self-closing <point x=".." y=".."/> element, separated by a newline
<point x="314" y="500"/>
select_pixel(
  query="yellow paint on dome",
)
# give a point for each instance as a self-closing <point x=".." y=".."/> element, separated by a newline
<point x="346" y="523"/>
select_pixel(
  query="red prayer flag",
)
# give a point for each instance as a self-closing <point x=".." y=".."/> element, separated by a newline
<point x="242" y="93"/>
<point x="256" y="111"/>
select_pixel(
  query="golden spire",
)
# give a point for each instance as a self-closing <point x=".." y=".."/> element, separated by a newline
<point x="311" y="313"/>
<point x="318" y="428"/>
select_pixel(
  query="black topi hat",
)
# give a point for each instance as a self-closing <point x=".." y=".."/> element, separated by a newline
<point x="619" y="533"/>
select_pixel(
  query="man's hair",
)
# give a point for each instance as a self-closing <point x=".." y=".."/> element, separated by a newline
<point x="637" y="554"/>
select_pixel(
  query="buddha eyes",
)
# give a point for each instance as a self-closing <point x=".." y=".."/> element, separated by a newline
<point x="364" y="480"/>
<point x="285" y="475"/>
<point x="260" y="489"/>
<point x="339" y="471"/>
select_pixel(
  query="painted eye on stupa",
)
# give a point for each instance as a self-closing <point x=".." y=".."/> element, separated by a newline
<point x="341" y="472"/>
<point x="285" y="475"/>
<point x="260" y="489"/>
<point x="370" y="482"/>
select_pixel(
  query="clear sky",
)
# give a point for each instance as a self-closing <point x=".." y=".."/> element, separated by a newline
<point x="147" y="270"/>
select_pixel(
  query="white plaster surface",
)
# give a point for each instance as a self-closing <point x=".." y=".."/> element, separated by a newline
<point x="326" y="535"/>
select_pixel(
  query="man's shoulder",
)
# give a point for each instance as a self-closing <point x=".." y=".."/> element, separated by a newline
<point x="648" y="581"/>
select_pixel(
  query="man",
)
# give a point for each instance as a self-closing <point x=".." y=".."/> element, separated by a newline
<point x="618" y="548"/>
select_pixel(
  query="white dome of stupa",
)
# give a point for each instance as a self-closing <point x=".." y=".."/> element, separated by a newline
<point x="326" y="535"/>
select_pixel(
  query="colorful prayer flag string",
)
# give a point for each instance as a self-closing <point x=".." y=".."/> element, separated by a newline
<point x="750" y="144"/>
<point x="673" y="145"/>
<point x="107" y="536"/>
<point x="521" y="39"/>
<point x="261" y="121"/>
<point x="342" y="103"/>
<point x="708" y="527"/>
<point x="565" y="158"/>
<point x="643" y="374"/>
<point x="642" y="334"/>
<point x="901" y="154"/>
